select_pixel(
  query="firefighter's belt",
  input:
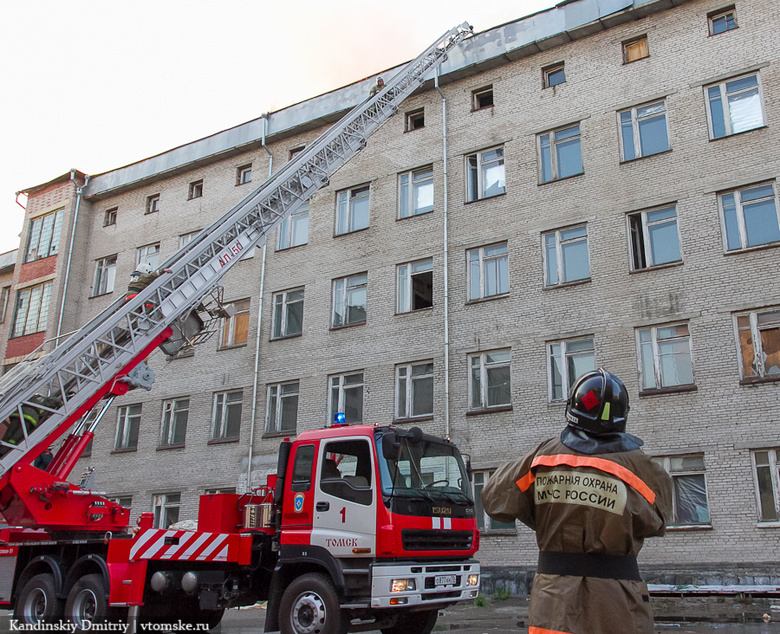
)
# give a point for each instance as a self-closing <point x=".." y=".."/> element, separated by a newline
<point x="588" y="565"/>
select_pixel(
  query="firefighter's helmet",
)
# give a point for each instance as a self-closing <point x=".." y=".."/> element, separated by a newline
<point x="144" y="268"/>
<point x="598" y="403"/>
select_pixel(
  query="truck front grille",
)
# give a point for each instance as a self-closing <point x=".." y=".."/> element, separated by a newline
<point x="417" y="539"/>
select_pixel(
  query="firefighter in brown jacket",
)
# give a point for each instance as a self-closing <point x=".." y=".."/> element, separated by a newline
<point x="592" y="497"/>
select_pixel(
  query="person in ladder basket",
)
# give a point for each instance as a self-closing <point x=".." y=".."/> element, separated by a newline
<point x="380" y="83"/>
<point x="141" y="278"/>
<point x="11" y="428"/>
<point x="592" y="496"/>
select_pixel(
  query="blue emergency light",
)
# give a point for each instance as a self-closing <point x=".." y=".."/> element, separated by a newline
<point x="340" y="419"/>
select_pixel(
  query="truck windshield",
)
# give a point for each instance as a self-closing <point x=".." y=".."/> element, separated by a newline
<point x="424" y="469"/>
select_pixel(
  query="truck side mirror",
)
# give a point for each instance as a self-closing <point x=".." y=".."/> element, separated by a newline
<point x="390" y="446"/>
<point x="469" y="470"/>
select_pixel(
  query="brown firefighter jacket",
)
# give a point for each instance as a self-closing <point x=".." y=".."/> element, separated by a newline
<point x="591" y="513"/>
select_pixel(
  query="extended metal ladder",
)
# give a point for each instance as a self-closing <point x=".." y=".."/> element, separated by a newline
<point x="82" y="370"/>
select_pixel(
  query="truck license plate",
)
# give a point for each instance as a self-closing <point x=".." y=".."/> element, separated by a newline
<point x="445" y="580"/>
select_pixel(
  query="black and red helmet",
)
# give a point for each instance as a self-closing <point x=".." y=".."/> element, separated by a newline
<point x="598" y="403"/>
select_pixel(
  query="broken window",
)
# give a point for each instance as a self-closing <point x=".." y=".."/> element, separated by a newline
<point x="569" y="360"/>
<point x="654" y="237"/>
<point x="665" y="356"/>
<point x="415" y="285"/>
<point x="689" y="489"/>
<point x="759" y="344"/>
<point x="750" y="217"/>
<point x="414" y="390"/>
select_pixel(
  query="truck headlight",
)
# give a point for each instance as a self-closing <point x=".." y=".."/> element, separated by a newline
<point x="402" y="585"/>
<point x="473" y="580"/>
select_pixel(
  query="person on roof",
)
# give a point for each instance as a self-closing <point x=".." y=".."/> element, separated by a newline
<point x="592" y="496"/>
<point x="141" y="278"/>
<point x="380" y="83"/>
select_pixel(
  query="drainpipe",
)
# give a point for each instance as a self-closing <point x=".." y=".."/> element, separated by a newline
<point x="259" y="324"/>
<point x="79" y="191"/>
<point x="446" y="267"/>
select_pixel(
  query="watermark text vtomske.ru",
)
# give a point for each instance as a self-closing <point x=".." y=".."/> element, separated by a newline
<point x="87" y="626"/>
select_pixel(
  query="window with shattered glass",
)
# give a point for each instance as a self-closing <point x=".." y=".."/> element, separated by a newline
<point x="689" y="489"/>
<point x="759" y="344"/>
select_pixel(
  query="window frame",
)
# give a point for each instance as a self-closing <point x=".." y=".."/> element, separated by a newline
<point x="241" y="174"/>
<point x="405" y="276"/>
<point x="274" y="410"/>
<point x="552" y="69"/>
<point x="161" y="504"/>
<point x="288" y="229"/>
<point x="636" y="133"/>
<point x="223" y="402"/>
<point x="409" y="381"/>
<point x="563" y="357"/>
<point x="40" y="307"/>
<point x="152" y="204"/>
<point x="475" y="187"/>
<point x="773" y="465"/>
<point x="484" y="386"/>
<point x="228" y="327"/>
<point x="341" y="387"/>
<point x="712" y="16"/>
<point x="109" y="216"/>
<point x="482" y="262"/>
<point x="5" y="299"/>
<point x="628" y="44"/>
<point x="553" y="145"/>
<point x="142" y="255"/>
<point x="414" y="120"/>
<point x="283" y="317"/>
<point x="644" y="234"/>
<point x="169" y="427"/>
<point x="195" y="189"/>
<point x="726" y="112"/>
<point x="739" y="210"/>
<point x="485" y="523"/>
<point x="186" y="238"/>
<point x="345" y="213"/>
<point x="295" y="151"/>
<point x="410" y="181"/>
<point x="476" y="102"/>
<point x="128" y="424"/>
<point x="560" y="244"/>
<point x="666" y="463"/>
<point x="104" y="271"/>
<point x="344" y="298"/>
<point x="757" y="343"/>
<point x="658" y="377"/>
<point x="44" y="233"/>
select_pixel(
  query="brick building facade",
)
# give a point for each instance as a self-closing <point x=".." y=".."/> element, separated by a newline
<point x="610" y="197"/>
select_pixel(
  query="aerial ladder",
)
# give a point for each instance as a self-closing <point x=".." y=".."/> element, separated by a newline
<point x="72" y="387"/>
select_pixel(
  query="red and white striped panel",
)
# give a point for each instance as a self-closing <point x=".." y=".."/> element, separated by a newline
<point x="191" y="546"/>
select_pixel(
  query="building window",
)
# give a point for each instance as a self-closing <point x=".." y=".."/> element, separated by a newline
<point x="349" y="300"/>
<point x="150" y="254"/>
<point x="226" y="415"/>
<point x="734" y="106"/>
<point x="109" y="217"/>
<point x="415" y="285"/>
<point x="294" y="229"/>
<point x="5" y="297"/>
<point x="153" y="204"/>
<point x="560" y="153"/>
<point x="665" y="357"/>
<point x="282" y="409"/>
<point x="185" y="239"/>
<point x="485" y="523"/>
<point x="689" y="489"/>
<point x="635" y="49"/>
<point x="643" y="131"/>
<point x="750" y="217"/>
<point x="346" y="396"/>
<point x="488" y="272"/>
<point x="485" y="174"/>
<point x="44" y="238"/>
<point x="32" y="309"/>
<point x="415" y="120"/>
<point x="195" y="190"/>
<point x="173" y="429"/>
<point x="569" y="360"/>
<point x="490" y="384"/>
<point x="220" y="491"/>
<point x="166" y="509"/>
<point x="767" y="483"/>
<point x="352" y="210"/>
<point x="566" y="256"/>
<point x="653" y="237"/>
<point x="128" y="423"/>
<point x="105" y="274"/>
<point x="288" y="314"/>
<point x="244" y="174"/>
<point x="292" y="153"/>
<point x="415" y="192"/>
<point x="722" y="20"/>
<point x="482" y="98"/>
<point x="414" y="390"/>
<point x="759" y="344"/>
<point x="123" y="500"/>
<point x="553" y="75"/>
<point x="235" y="329"/>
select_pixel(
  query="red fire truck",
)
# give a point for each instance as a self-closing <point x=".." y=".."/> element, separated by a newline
<point x="361" y="527"/>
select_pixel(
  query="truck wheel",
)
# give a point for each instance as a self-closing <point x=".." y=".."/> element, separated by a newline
<point x="310" y="605"/>
<point x="413" y="623"/>
<point x="38" y="601"/>
<point x="87" y="602"/>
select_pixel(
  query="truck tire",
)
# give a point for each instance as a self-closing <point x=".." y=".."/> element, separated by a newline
<point x="414" y="623"/>
<point x="38" y="601"/>
<point x="87" y="602"/>
<point x="310" y="605"/>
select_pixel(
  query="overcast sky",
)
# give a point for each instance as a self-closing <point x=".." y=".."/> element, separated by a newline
<point x="97" y="84"/>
